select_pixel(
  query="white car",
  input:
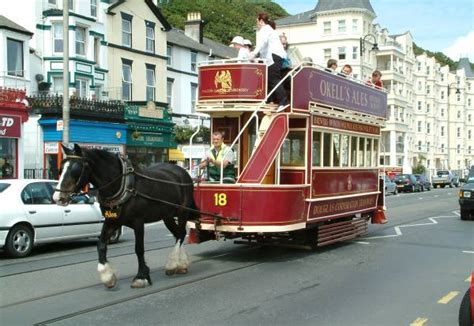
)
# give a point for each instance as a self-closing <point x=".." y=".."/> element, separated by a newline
<point x="29" y="216"/>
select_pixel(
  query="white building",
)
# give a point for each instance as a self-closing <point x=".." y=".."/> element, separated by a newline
<point x="185" y="50"/>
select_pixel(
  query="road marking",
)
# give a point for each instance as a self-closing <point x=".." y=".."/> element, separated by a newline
<point x="398" y="232"/>
<point x="448" y="297"/>
<point x="468" y="252"/>
<point x="457" y="213"/>
<point x="468" y="279"/>
<point x="362" y="242"/>
<point x="419" y="321"/>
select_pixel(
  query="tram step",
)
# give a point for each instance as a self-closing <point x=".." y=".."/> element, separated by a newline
<point x="341" y="231"/>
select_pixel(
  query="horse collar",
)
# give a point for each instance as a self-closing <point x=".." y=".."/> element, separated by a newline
<point x="127" y="186"/>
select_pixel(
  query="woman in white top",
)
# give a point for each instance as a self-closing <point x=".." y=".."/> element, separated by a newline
<point x="270" y="48"/>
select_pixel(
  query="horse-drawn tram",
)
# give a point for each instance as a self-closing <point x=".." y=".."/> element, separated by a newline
<point x="305" y="174"/>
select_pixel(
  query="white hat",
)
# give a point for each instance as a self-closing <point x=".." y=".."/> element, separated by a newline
<point x="247" y="42"/>
<point x="238" y="40"/>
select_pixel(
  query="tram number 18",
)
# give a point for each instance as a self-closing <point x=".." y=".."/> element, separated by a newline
<point x="220" y="199"/>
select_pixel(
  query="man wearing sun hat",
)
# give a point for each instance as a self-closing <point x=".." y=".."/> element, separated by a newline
<point x="238" y="43"/>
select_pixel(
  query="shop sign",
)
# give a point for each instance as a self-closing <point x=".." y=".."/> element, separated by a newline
<point x="109" y="148"/>
<point x="148" y="139"/>
<point x="195" y="151"/>
<point x="10" y="126"/>
<point x="51" y="148"/>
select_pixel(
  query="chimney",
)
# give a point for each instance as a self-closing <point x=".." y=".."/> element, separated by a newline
<point x="193" y="26"/>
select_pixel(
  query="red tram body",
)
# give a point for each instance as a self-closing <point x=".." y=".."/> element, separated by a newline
<point x="311" y="177"/>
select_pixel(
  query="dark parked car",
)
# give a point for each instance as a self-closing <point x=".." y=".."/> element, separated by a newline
<point x="407" y="182"/>
<point x="423" y="181"/>
<point x="466" y="197"/>
<point x="390" y="186"/>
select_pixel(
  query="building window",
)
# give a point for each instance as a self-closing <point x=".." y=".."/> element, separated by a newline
<point x="442" y="148"/>
<point x="327" y="28"/>
<point x="169" y="91"/>
<point x="428" y="128"/>
<point x="193" y="60"/>
<point x="419" y="66"/>
<point x="428" y="89"/>
<point x="71" y="5"/>
<point x="52" y="2"/>
<point x="469" y="134"/>
<point x="150" y="82"/>
<point x="419" y="145"/>
<point x="341" y="53"/>
<point x="80" y="40"/>
<point x="15" y="58"/>
<point x="419" y="105"/>
<point x="127" y="80"/>
<point x="193" y="97"/>
<point x="458" y="115"/>
<point x="327" y="54"/>
<point x="442" y="95"/>
<point x="150" y="37"/>
<point x="469" y="117"/>
<point x="126" y="30"/>
<point x="58" y="38"/>
<point x="94" y="8"/>
<point x="458" y="97"/>
<point x="442" y="130"/>
<point x="169" y="55"/>
<point x="428" y="108"/>
<point x="458" y="150"/>
<point x="468" y="102"/>
<point x="81" y="88"/>
<point x="458" y="132"/>
<point x="428" y="145"/>
<point x="58" y="85"/>
<point x="419" y="126"/>
<point x="442" y="112"/>
<point x="355" y="52"/>
<point x="468" y="86"/>
<point x="355" y="23"/>
<point x="341" y="26"/>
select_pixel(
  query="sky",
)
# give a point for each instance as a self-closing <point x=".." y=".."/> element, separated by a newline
<point x="436" y="25"/>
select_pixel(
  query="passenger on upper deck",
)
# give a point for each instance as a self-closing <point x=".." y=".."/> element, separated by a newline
<point x="270" y="48"/>
<point x="248" y="44"/>
<point x="375" y="81"/>
<point x="331" y="66"/>
<point x="346" y="71"/>
<point x="220" y="155"/>
<point x="238" y="43"/>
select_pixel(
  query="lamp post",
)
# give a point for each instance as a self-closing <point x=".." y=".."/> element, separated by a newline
<point x="450" y="86"/>
<point x="362" y="41"/>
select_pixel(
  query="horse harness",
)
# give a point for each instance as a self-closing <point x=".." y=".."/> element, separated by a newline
<point x="127" y="188"/>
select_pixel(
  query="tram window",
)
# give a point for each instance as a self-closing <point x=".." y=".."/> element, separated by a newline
<point x="368" y="152"/>
<point x="327" y="149"/>
<point x="345" y="150"/>
<point x="375" y="153"/>
<point x="360" y="159"/>
<point x="336" y="150"/>
<point x="317" y="148"/>
<point x="293" y="150"/>
<point x="353" y="151"/>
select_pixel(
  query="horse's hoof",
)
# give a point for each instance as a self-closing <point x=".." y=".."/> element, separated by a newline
<point x="170" y="272"/>
<point x="139" y="283"/>
<point x="111" y="282"/>
<point x="183" y="270"/>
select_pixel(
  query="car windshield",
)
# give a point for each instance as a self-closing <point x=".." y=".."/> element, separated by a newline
<point x="402" y="177"/>
<point x="442" y="173"/>
<point x="4" y="186"/>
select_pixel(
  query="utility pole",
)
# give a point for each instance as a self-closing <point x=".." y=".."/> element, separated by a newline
<point x="66" y="111"/>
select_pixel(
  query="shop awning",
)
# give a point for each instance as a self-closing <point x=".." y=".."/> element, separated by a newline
<point x="175" y="155"/>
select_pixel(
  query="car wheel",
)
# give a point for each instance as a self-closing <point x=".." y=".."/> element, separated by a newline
<point x="412" y="188"/>
<point x="395" y="192"/>
<point x="451" y="185"/>
<point x="115" y="237"/>
<point x="465" y="310"/>
<point x="19" y="241"/>
<point x="422" y="188"/>
<point x="464" y="214"/>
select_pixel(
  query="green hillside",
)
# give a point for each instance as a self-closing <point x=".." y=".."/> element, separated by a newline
<point x="223" y="19"/>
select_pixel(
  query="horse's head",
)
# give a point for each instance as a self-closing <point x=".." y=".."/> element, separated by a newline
<point x="74" y="176"/>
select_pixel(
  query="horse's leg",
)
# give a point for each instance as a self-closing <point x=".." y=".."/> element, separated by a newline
<point x="178" y="261"/>
<point x="106" y="272"/>
<point x="143" y="276"/>
<point x="183" y="260"/>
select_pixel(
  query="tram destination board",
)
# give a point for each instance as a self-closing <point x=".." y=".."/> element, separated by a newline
<point x="313" y="85"/>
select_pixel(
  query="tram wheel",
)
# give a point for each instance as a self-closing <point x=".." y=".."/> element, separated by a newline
<point x="311" y="238"/>
<point x="465" y="310"/>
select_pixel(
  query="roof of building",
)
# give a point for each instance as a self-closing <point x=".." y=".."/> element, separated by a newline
<point x="466" y="65"/>
<point x="330" y="5"/>
<point x="177" y="37"/>
<point x="323" y="6"/>
<point x="152" y="7"/>
<point x="6" y="23"/>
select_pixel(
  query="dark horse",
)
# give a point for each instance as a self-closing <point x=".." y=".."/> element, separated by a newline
<point x="132" y="197"/>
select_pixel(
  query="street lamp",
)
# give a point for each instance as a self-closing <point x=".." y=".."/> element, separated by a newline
<point x="362" y="41"/>
<point x="450" y="86"/>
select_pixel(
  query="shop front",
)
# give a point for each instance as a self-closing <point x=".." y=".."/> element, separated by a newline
<point x="149" y="133"/>
<point x="13" y="113"/>
<point x="87" y="134"/>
